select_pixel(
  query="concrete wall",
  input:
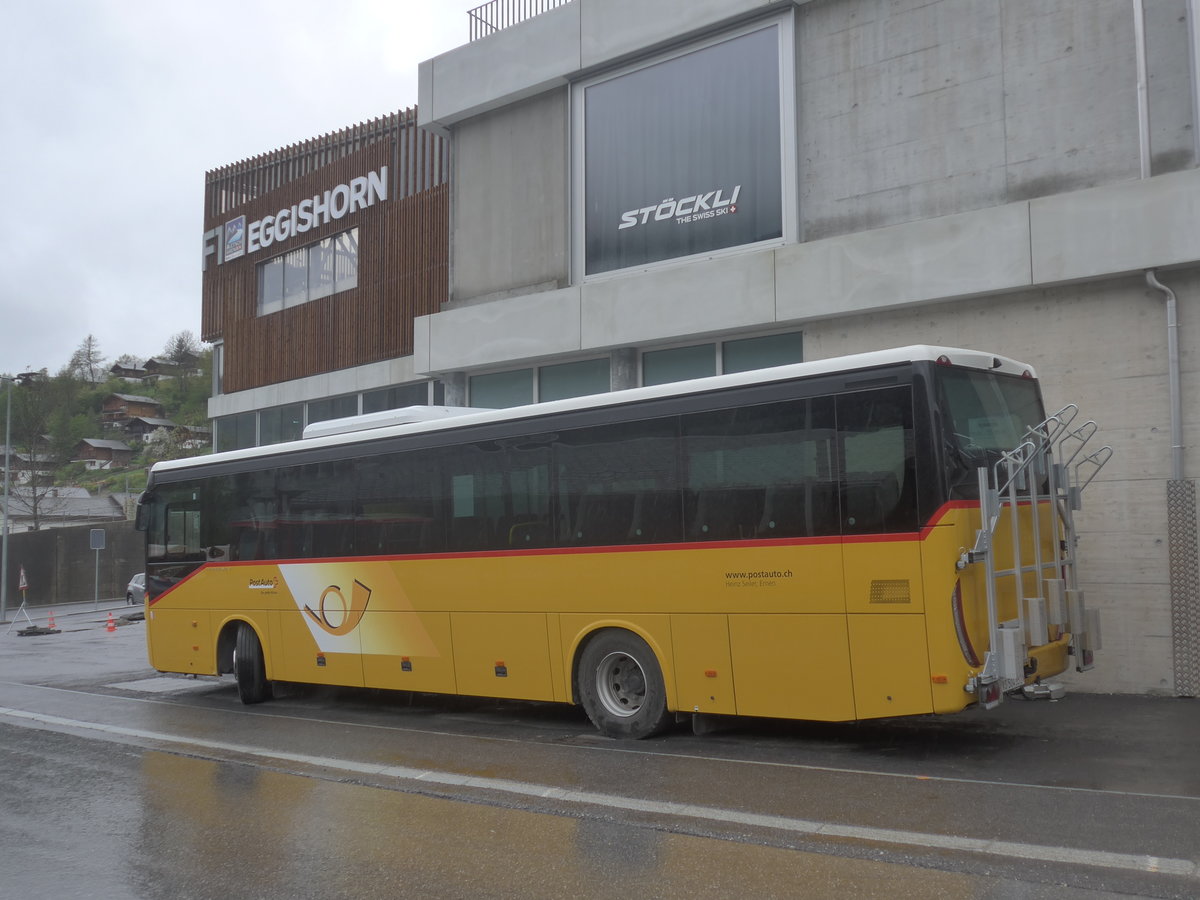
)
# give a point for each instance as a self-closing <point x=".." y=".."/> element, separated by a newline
<point x="906" y="110"/>
<point x="1169" y="88"/>
<point x="509" y="221"/>
<point x="545" y="51"/>
<point x="1098" y="233"/>
<point x="315" y="387"/>
<point x="913" y="109"/>
<point x="61" y="568"/>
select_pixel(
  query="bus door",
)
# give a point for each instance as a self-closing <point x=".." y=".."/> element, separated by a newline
<point x="882" y="552"/>
<point x="785" y="593"/>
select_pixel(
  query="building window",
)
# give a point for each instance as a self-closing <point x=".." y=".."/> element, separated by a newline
<point x="502" y="389"/>
<point x="679" y="364"/>
<point x="396" y="397"/>
<point x="762" y="352"/>
<point x="218" y="368"/>
<point x="332" y="408"/>
<point x="574" y="379"/>
<point x="237" y="432"/>
<point x="685" y="155"/>
<point x="281" y="423"/>
<point x="308" y="273"/>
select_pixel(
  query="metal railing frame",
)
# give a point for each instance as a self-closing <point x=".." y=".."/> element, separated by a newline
<point x="496" y="15"/>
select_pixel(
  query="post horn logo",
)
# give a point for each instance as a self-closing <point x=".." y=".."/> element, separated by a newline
<point x="351" y="613"/>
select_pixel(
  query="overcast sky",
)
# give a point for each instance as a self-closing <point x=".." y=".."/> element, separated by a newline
<point x="112" y="112"/>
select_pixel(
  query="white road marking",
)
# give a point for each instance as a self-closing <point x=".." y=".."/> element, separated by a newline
<point x="165" y="685"/>
<point x="596" y="743"/>
<point x="922" y="840"/>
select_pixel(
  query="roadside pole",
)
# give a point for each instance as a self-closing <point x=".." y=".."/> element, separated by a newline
<point x="96" y="539"/>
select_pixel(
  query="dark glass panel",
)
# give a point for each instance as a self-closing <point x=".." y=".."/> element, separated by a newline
<point x="878" y="451"/>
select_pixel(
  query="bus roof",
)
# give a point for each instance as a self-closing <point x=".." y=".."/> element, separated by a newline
<point x="874" y="359"/>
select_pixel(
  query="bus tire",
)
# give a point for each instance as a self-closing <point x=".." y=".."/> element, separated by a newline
<point x="249" y="668"/>
<point x="621" y="686"/>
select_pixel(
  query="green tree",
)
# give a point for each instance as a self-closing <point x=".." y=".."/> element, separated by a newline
<point x="33" y="407"/>
<point x="182" y="352"/>
<point x="87" y="362"/>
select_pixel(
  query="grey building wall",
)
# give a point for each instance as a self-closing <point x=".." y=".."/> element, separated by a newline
<point x="1169" y="86"/>
<point x="509" y="224"/>
<point x="913" y="110"/>
<point x="905" y="110"/>
<point x="945" y="116"/>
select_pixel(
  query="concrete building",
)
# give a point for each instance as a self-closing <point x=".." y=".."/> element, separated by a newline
<point x="999" y="175"/>
<point x="643" y="192"/>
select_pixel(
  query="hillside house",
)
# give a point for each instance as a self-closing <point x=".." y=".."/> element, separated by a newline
<point x="97" y="453"/>
<point x="118" y="409"/>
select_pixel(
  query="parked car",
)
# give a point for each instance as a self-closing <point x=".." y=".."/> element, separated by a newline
<point x="135" y="591"/>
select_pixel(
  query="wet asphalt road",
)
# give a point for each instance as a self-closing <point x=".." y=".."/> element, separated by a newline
<point x="120" y="782"/>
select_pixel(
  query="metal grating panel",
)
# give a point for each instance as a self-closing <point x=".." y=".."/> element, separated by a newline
<point x="890" y="591"/>
<point x="1185" y="586"/>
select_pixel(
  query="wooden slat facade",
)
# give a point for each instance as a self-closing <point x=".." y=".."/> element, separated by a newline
<point x="402" y="264"/>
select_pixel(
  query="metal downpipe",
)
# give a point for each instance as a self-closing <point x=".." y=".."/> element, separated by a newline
<point x="1183" y="551"/>
<point x="1176" y="401"/>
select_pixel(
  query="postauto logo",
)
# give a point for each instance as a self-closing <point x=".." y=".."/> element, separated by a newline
<point x="345" y="615"/>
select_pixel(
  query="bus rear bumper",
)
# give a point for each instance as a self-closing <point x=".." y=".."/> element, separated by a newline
<point x="1044" y="690"/>
<point x="1048" y="659"/>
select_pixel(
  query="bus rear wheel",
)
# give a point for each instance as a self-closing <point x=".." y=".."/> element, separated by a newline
<point x="621" y="686"/>
<point x="249" y="667"/>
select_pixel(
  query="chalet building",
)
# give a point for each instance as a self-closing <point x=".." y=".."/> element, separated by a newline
<point x="37" y="468"/>
<point x="118" y="409"/>
<point x="141" y="427"/>
<point x="98" y="453"/>
<point x="127" y="373"/>
<point x="645" y="193"/>
<point x="163" y="368"/>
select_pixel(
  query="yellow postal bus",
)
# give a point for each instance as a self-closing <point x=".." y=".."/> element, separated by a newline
<point x="878" y="535"/>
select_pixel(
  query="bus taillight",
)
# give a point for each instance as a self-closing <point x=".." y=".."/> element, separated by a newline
<point x="960" y="626"/>
<point x="990" y="695"/>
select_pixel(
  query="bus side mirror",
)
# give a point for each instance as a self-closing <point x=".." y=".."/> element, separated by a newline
<point x="142" y="518"/>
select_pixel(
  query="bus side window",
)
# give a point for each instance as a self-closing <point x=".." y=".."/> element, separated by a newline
<point x="396" y="505"/>
<point x="765" y="471"/>
<point x="527" y="522"/>
<point x="252" y="516"/>
<point x="183" y="531"/>
<point x="875" y="434"/>
<point x="617" y="484"/>
<point x="499" y="495"/>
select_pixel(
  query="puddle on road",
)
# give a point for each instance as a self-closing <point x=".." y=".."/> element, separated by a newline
<point x="166" y="685"/>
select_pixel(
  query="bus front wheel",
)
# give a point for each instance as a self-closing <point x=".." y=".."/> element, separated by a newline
<point x="621" y="686"/>
<point x="249" y="668"/>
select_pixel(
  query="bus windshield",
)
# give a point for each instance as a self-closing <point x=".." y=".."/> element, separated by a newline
<point x="985" y="414"/>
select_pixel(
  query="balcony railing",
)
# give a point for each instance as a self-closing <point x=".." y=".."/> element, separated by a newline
<point x="499" y="14"/>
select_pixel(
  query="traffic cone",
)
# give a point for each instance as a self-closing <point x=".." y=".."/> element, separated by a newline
<point x="111" y="626"/>
<point x="50" y="624"/>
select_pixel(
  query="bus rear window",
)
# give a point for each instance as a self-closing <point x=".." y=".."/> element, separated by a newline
<point x="985" y="411"/>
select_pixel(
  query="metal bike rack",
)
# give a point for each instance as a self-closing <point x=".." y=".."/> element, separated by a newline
<point x="1050" y="466"/>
